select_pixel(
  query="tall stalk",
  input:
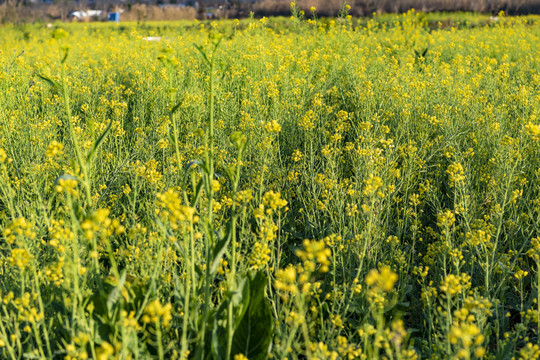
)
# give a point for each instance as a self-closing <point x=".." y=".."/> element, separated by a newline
<point x="208" y="177"/>
<point x="80" y="160"/>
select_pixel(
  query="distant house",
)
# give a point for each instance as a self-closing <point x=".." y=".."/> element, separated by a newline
<point x="83" y="15"/>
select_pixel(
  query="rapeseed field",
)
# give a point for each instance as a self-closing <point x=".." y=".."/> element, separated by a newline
<point x="299" y="188"/>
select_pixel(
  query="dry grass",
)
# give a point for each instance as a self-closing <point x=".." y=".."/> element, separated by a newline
<point x="18" y="13"/>
<point x="153" y="13"/>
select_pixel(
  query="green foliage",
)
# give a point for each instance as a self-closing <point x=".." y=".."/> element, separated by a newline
<point x="253" y="333"/>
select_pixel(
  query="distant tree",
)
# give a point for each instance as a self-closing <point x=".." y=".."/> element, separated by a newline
<point x="64" y="6"/>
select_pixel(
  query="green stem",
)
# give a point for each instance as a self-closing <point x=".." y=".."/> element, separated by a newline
<point x="209" y="146"/>
<point x="538" y="301"/>
<point x="75" y="260"/>
<point x="159" y="341"/>
<point x="78" y="153"/>
<point x="42" y="310"/>
<point x="7" y="192"/>
<point x="4" y="335"/>
<point x="232" y="275"/>
<point x="173" y="119"/>
<point x="187" y="295"/>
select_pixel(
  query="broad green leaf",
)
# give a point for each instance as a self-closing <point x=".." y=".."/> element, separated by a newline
<point x="239" y="299"/>
<point x="253" y="336"/>
<point x="504" y="352"/>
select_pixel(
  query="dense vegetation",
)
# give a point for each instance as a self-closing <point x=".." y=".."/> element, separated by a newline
<point x="284" y="188"/>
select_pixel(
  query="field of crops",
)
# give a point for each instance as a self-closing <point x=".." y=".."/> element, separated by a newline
<point x="275" y="188"/>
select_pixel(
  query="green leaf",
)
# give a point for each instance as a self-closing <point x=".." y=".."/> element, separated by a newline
<point x="115" y="294"/>
<point x="199" y="271"/>
<point x="203" y="53"/>
<point x="218" y="340"/>
<point x="171" y="136"/>
<point x="180" y="247"/>
<point x="30" y="355"/>
<point x="177" y="106"/>
<point x="505" y="352"/>
<point x="66" y="53"/>
<point x="253" y="336"/>
<point x="197" y="194"/>
<point x="51" y="82"/>
<point x="99" y="141"/>
<point x="219" y="250"/>
<point x="188" y="166"/>
<point x="239" y="299"/>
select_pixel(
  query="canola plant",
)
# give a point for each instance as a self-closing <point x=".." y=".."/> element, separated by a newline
<point x="299" y="188"/>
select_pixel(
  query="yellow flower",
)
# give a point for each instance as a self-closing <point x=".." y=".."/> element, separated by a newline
<point x="272" y="127"/>
<point x="171" y="208"/>
<point x="533" y="130"/>
<point x="315" y="253"/>
<point x="445" y="219"/>
<point x="273" y="200"/>
<point x="215" y="186"/>
<point x="260" y="256"/>
<point x="19" y="227"/>
<point x="104" y="351"/>
<point x="520" y="274"/>
<point x="69" y="186"/>
<point x="372" y="184"/>
<point x="54" y="149"/>
<point x="455" y="173"/>
<point x="286" y="280"/>
<point x="383" y="280"/>
<point x="534" y="251"/>
<point x="351" y="209"/>
<point x="19" y="258"/>
<point x="157" y="313"/>
<point x="453" y="284"/>
<point x="307" y="122"/>
<point x="297" y="156"/>
<point x="529" y="351"/>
